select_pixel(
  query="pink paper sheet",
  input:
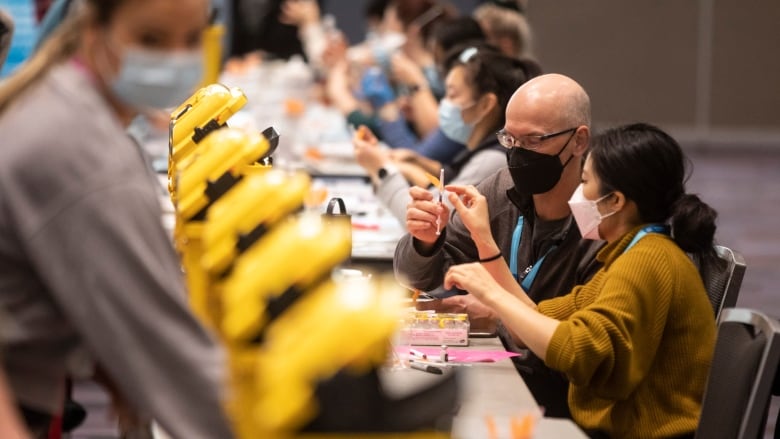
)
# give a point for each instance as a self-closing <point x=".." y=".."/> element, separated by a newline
<point x="462" y="355"/>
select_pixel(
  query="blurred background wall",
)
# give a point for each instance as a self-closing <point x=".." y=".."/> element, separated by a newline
<point x="706" y="70"/>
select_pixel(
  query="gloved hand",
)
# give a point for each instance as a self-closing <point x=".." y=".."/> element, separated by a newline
<point x="376" y="87"/>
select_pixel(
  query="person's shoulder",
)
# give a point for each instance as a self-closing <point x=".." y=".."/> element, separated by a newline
<point x="61" y="105"/>
<point x="60" y="118"/>
<point x="656" y="253"/>
<point x="664" y="246"/>
<point x="65" y="141"/>
<point x="489" y="154"/>
<point x="480" y="166"/>
<point x="497" y="183"/>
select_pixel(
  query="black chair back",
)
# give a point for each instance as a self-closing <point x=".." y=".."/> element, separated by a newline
<point x="737" y="395"/>
<point x="723" y="280"/>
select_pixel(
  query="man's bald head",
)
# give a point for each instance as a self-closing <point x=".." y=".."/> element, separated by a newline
<point x="557" y="98"/>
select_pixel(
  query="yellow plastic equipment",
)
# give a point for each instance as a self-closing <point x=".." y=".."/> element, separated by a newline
<point x="292" y="257"/>
<point x="247" y="211"/>
<point x="204" y="112"/>
<point x="232" y="225"/>
<point x="260" y="276"/>
<point x="220" y="158"/>
<point x="212" y="52"/>
<point x="288" y="326"/>
<point x="332" y="328"/>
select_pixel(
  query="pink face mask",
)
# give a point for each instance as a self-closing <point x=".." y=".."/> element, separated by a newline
<point x="586" y="214"/>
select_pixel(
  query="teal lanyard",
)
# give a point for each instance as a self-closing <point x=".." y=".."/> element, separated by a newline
<point x="530" y="272"/>
<point x="652" y="228"/>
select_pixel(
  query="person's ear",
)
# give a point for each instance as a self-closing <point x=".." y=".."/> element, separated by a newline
<point x="617" y="201"/>
<point x="581" y="140"/>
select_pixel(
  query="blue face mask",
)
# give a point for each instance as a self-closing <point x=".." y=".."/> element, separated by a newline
<point x="451" y="122"/>
<point x="151" y="79"/>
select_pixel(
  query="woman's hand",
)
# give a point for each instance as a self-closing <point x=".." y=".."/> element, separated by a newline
<point x="533" y="329"/>
<point x="367" y="151"/>
<point x="475" y="279"/>
<point x="482" y="317"/>
<point x="337" y="88"/>
<point x="421" y="214"/>
<point x="472" y="208"/>
<point x="335" y="51"/>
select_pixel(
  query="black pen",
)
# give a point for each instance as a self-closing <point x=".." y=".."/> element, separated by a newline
<point x="426" y="368"/>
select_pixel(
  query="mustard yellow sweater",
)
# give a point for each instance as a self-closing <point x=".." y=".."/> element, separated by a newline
<point x="636" y="341"/>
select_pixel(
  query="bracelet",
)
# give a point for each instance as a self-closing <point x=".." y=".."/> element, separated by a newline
<point x="490" y="259"/>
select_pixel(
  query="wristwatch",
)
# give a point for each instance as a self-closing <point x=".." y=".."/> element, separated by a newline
<point x="385" y="171"/>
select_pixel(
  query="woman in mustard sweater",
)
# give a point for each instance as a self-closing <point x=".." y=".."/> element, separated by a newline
<point x="636" y="341"/>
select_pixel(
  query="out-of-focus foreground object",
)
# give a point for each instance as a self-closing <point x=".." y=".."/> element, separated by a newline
<point x="6" y="34"/>
<point x="259" y="270"/>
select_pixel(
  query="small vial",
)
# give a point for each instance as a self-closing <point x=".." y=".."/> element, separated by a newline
<point x="444" y="356"/>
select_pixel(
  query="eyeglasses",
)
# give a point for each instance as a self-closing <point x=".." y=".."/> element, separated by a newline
<point x="528" y="142"/>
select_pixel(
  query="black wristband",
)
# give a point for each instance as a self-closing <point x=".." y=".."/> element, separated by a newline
<point x="492" y="258"/>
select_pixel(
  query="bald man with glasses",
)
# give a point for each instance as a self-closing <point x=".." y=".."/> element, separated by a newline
<point x="546" y="134"/>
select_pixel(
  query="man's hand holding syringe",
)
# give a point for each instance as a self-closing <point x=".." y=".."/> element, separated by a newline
<point x="427" y="214"/>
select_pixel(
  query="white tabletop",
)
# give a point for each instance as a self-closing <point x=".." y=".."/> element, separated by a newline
<point x="487" y="389"/>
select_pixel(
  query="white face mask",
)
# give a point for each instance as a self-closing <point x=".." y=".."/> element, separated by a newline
<point x="586" y="214"/>
<point x="151" y="79"/>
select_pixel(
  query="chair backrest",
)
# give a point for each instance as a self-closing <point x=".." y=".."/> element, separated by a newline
<point x="736" y="399"/>
<point x="723" y="281"/>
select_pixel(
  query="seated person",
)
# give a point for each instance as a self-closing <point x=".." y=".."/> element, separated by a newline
<point x="530" y="218"/>
<point x="479" y="84"/>
<point x="424" y="90"/>
<point x="398" y="100"/>
<point x="506" y="28"/>
<point x="636" y="340"/>
<point x="413" y="68"/>
<point x="259" y="26"/>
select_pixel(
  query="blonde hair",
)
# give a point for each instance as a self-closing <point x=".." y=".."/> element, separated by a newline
<point x="60" y="46"/>
<point x="504" y="22"/>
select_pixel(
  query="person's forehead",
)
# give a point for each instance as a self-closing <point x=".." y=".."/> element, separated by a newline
<point x="456" y="76"/>
<point x="525" y="122"/>
<point x="166" y="14"/>
<point x="531" y="117"/>
<point x="586" y="167"/>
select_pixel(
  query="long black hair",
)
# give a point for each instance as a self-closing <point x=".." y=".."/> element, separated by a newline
<point x="649" y="168"/>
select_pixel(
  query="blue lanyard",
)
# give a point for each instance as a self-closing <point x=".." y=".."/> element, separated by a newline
<point x="530" y="272"/>
<point x="516" y="236"/>
<point x="652" y="228"/>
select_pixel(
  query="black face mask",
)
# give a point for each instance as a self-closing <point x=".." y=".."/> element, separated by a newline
<point x="534" y="172"/>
